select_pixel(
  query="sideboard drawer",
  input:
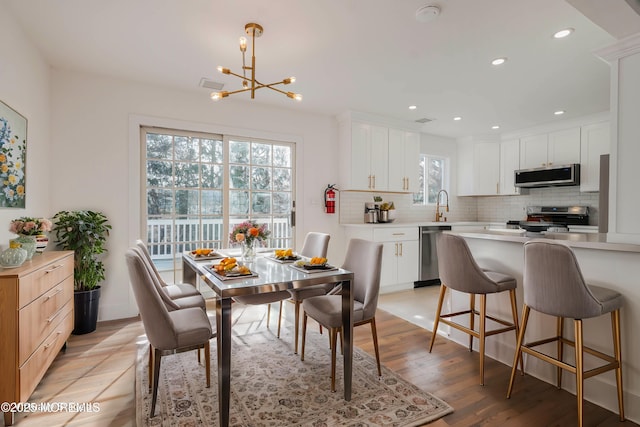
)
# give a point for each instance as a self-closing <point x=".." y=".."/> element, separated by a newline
<point x="35" y="284"/>
<point x="34" y="369"/>
<point x="40" y="317"/>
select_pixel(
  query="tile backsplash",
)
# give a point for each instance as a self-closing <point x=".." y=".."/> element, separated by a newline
<point x="485" y="209"/>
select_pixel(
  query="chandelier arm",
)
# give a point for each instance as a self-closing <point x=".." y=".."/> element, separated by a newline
<point x="237" y="75"/>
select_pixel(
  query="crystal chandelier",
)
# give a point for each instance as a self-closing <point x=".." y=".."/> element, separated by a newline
<point x="251" y="83"/>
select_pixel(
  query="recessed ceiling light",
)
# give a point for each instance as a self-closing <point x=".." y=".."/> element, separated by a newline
<point x="559" y="112"/>
<point x="412" y="107"/>
<point x="495" y="127"/>
<point x="563" y="33"/>
<point x="457" y="118"/>
<point x="498" y="61"/>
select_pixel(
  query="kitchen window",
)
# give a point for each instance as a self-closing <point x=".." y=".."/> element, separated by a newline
<point x="433" y="176"/>
<point x="197" y="186"/>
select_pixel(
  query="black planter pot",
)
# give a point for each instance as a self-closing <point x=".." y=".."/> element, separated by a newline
<point x="85" y="311"/>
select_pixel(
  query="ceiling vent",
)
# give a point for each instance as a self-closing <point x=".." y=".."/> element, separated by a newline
<point x="210" y="84"/>
<point x="424" y="120"/>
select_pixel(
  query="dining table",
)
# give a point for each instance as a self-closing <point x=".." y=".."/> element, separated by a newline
<point x="267" y="275"/>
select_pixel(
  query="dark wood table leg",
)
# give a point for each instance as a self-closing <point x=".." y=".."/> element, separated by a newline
<point x="223" y="339"/>
<point x="347" y="331"/>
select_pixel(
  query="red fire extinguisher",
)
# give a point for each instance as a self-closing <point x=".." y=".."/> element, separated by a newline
<point x="330" y="199"/>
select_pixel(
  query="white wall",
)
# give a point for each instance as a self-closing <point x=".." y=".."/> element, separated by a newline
<point x="25" y="87"/>
<point x="91" y="139"/>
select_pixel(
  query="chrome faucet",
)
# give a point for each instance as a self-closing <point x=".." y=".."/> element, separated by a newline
<point x="438" y="213"/>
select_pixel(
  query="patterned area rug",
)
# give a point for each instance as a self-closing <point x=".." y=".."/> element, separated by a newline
<point x="270" y="386"/>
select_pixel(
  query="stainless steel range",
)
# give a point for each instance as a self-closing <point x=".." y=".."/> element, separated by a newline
<point x="555" y="219"/>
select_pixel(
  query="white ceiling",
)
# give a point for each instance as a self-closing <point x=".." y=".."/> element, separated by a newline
<point x="371" y="56"/>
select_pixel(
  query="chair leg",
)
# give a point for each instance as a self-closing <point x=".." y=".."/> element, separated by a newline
<point x="333" y="333"/>
<point x="279" y="318"/>
<point x="560" y="345"/>
<point x="472" y="317"/>
<point x="615" y="325"/>
<point x="156" y="377"/>
<point x="443" y="290"/>
<point x="483" y="334"/>
<point x="374" y="335"/>
<point x="207" y="361"/>
<point x="150" y="368"/>
<point x="514" y="315"/>
<point x="577" y="324"/>
<point x="268" y="315"/>
<point x="518" y="354"/>
<point x="304" y="334"/>
<point x="296" y="327"/>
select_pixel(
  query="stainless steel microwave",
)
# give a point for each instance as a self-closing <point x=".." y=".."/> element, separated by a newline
<point x="548" y="176"/>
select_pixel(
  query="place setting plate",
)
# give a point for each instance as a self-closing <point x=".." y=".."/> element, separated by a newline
<point x="231" y="274"/>
<point x="202" y="257"/>
<point x="307" y="267"/>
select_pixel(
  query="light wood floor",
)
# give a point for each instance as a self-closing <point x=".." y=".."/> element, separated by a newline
<point x="99" y="367"/>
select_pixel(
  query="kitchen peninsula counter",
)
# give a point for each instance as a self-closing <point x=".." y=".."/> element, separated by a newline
<point x="575" y="240"/>
<point x="603" y="263"/>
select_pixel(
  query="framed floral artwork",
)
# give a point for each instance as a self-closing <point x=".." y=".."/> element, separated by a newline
<point x="13" y="151"/>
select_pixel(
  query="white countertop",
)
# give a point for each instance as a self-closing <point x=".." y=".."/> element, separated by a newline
<point x="576" y="240"/>
<point x="414" y="224"/>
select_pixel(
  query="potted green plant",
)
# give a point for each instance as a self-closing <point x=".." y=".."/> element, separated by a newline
<point x="85" y="233"/>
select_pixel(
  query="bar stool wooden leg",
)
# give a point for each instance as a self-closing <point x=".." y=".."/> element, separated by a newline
<point x="472" y="318"/>
<point x="617" y="351"/>
<point x="483" y="336"/>
<point x="577" y="324"/>
<point x="518" y="355"/>
<point x="560" y="344"/>
<point x="514" y="315"/>
<point x="443" y="290"/>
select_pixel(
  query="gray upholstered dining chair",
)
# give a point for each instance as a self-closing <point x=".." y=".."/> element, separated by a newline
<point x="364" y="259"/>
<point x="168" y="332"/>
<point x="315" y="245"/>
<point x="177" y="302"/>
<point x="174" y="290"/>
<point x="554" y="285"/>
<point x="460" y="272"/>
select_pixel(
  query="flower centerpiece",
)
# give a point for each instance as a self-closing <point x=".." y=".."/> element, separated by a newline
<point x="249" y="234"/>
<point x="29" y="229"/>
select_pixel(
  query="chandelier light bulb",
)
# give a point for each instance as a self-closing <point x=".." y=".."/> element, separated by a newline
<point x="296" y="96"/>
<point x="245" y="84"/>
<point x="223" y="70"/>
<point x="243" y="44"/>
<point x="215" y="96"/>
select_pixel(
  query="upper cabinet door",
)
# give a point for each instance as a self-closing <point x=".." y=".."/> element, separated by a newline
<point x="533" y="151"/>
<point x="360" y="167"/>
<point x="509" y="163"/>
<point x="404" y="150"/>
<point x="594" y="142"/>
<point x="368" y="169"/>
<point x="379" y="160"/>
<point x="564" y="147"/>
<point x="486" y="168"/>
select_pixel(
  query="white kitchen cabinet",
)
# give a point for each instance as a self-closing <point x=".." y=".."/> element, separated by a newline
<point x="549" y="149"/>
<point x="509" y="163"/>
<point x="404" y="152"/>
<point x="594" y="142"/>
<point x="400" y="253"/>
<point x="479" y="169"/>
<point x="367" y="148"/>
<point x="399" y="257"/>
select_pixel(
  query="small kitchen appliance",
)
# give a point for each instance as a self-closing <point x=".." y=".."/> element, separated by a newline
<point x="371" y="212"/>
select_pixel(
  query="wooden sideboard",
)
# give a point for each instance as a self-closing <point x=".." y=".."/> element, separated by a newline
<point x="36" y="314"/>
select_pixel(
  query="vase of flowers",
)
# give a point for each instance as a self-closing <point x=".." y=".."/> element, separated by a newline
<point x="249" y="234"/>
<point x="27" y="229"/>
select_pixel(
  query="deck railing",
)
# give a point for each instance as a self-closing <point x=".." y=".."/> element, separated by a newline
<point x="168" y="238"/>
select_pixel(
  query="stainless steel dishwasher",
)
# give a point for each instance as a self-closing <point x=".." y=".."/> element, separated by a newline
<point x="429" y="256"/>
